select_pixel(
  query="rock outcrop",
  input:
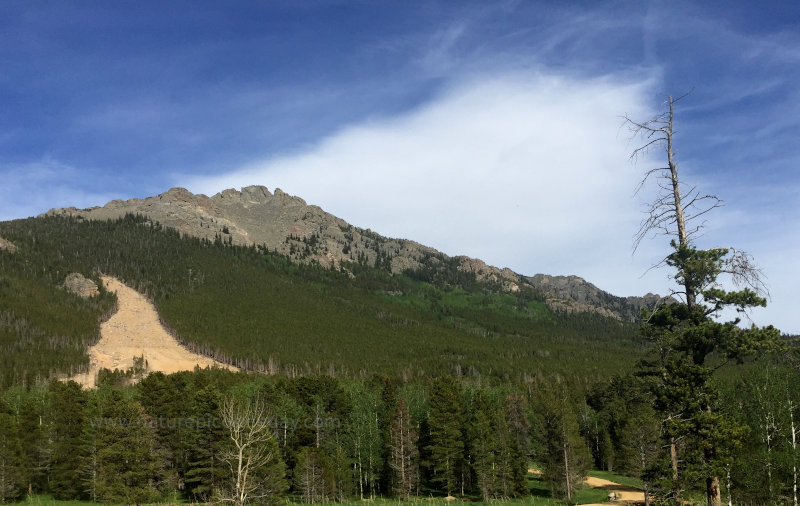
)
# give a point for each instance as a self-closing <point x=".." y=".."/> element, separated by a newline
<point x="279" y="221"/>
<point x="580" y="295"/>
<point x="306" y="233"/>
<point x="79" y="285"/>
<point x="7" y="246"/>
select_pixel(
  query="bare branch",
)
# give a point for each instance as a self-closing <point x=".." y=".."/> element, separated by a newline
<point x="744" y="272"/>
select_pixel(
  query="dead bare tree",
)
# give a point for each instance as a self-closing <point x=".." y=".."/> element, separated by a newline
<point x="675" y="205"/>
<point x="678" y="211"/>
<point x="253" y="456"/>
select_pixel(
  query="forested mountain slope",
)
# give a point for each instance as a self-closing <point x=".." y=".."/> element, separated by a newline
<point x="260" y="310"/>
<point x="306" y="233"/>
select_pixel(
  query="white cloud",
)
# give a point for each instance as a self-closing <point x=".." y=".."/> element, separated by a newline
<point x="32" y="188"/>
<point x="528" y="171"/>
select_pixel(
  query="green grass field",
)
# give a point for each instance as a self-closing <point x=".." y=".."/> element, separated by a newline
<point x="540" y="496"/>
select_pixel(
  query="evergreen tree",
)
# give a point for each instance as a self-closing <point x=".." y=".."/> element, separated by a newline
<point x="126" y="461"/>
<point x="444" y="453"/>
<point x="11" y="470"/>
<point x="89" y="463"/>
<point x="512" y="464"/>
<point x="482" y="445"/>
<point x="33" y="440"/>
<point x="67" y="418"/>
<point x="684" y="334"/>
<point x="166" y="401"/>
<point x="206" y="437"/>
<point x="516" y="411"/>
<point x="564" y="456"/>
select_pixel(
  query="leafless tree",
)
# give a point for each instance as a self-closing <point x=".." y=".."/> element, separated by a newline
<point x="252" y="449"/>
<point x="403" y="453"/>
<point x="678" y="210"/>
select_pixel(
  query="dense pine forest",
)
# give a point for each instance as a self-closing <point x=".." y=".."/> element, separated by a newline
<point x="357" y="384"/>
<point x="259" y="311"/>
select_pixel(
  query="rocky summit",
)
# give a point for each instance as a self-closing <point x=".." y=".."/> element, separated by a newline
<point x="306" y="233"/>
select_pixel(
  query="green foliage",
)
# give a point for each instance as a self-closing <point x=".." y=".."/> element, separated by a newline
<point x="43" y="328"/>
<point x="11" y="460"/>
<point x="444" y="451"/>
<point x="205" y="472"/>
<point x="498" y="464"/>
<point x="126" y="467"/>
<point x="689" y="345"/>
<point x="68" y="416"/>
<point x="766" y="400"/>
<point x="510" y="375"/>
<point x="563" y="455"/>
<point x="364" y="438"/>
<point x="260" y="311"/>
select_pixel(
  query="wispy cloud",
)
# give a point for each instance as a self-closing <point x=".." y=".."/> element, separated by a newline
<point x="31" y="188"/>
<point x="487" y="129"/>
<point x="523" y="170"/>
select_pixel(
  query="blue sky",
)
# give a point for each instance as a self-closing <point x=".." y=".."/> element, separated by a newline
<point x="490" y="129"/>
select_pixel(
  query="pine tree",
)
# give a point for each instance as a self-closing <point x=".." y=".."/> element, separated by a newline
<point x="206" y="472"/>
<point x="512" y="464"/>
<point x="11" y="479"/>
<point x="67" y="417"/>
<point x="166" y="399"/>
<point x="126" y="463"/>
<point x="33" y="440"/>
<point x="89" y="463"/>
<point x="564" y="456"/>
<point x="482" y="445"/>
<point x="445" y="448"/>
<point x="516" y="410"/>
<point x="685" y="334"/>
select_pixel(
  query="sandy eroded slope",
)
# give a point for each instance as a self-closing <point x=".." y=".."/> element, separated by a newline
<point x="133" y="331"/>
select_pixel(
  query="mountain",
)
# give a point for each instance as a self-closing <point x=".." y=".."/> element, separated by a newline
<point x="306" y="233"/>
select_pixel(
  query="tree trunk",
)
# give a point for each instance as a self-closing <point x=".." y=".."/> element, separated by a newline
<point x="794" y="453"/>
<point x="713" y="491"/>
<point x="728" y="475"/>
<point x="566" y="470"/>
<point x="673" y="457"/>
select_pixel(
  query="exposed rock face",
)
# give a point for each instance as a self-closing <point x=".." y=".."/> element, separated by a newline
<point x="306" y="233"/>
<point x="80" y="286"/>
<point x="7" y="246"/>
<point x="278" y="221"/>
<point x="582" y="295"/>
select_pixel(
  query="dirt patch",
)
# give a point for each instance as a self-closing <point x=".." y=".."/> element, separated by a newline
<point x="624" y="494"/>
<point x="136" y="331"/>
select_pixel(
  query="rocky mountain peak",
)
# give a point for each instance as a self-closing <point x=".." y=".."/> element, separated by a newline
<point x="306" y="233"/>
